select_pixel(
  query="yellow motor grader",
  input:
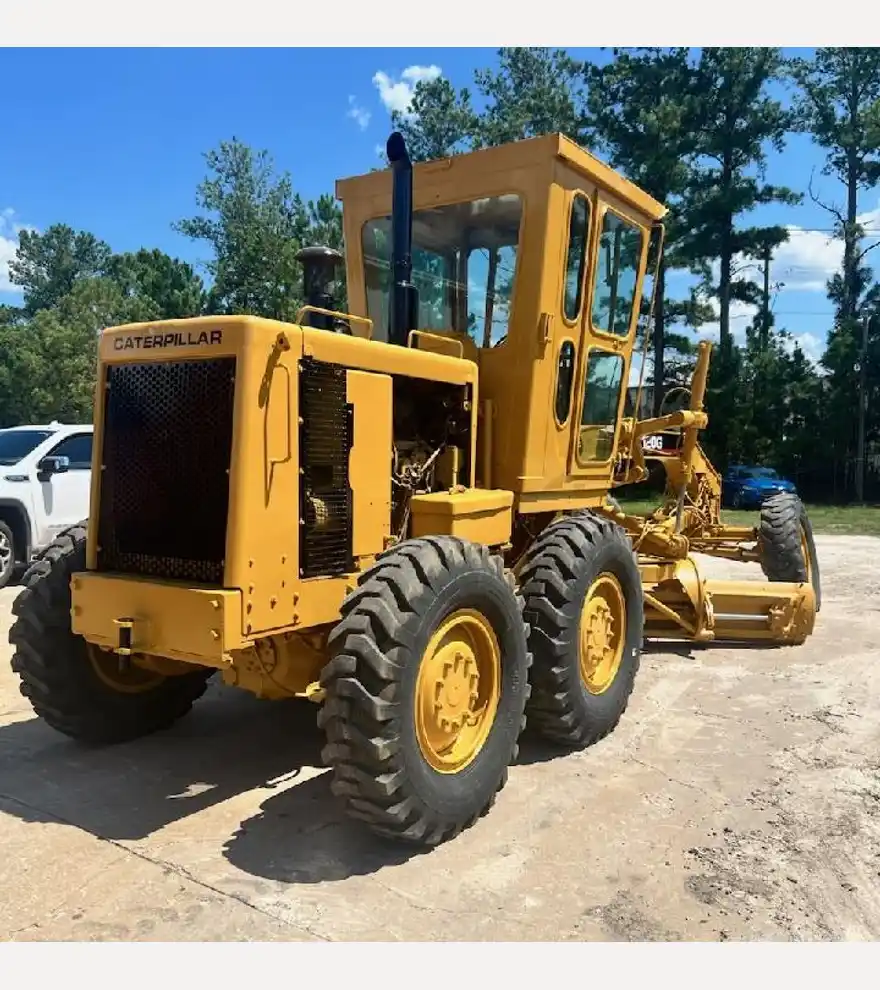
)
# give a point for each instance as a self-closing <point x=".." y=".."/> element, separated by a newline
<point x="403" y="512"/>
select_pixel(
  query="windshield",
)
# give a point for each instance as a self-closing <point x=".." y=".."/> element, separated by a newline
<point x="761" y="473"/>
<point x="15" y="444"/>
<point x="464" y="262"/>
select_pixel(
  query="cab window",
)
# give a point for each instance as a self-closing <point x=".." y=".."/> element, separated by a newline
<point x="600" y="404"/>
<point x="464" y="259"/>
<point x="578" y="231"/>
<point x="617" y="270"/>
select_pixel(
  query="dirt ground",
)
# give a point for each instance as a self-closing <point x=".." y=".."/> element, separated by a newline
<point x="739" y="798"/>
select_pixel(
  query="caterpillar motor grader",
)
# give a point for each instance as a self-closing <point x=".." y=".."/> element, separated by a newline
<point x="403" y="512"/>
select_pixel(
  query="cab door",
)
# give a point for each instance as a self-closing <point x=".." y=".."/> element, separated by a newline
<point x="607" y="332"/>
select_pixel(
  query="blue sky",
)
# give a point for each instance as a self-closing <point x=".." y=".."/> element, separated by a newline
<point x="111" y="140"/>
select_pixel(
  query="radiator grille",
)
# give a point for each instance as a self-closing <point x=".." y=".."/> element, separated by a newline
<point x="166" y="454"/>
<point x="325" y="443"/>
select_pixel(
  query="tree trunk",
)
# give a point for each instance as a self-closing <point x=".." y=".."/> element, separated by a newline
<point x="725" y="261"/>
<point x="850" y="242"/>
<point x="765" y="302"/>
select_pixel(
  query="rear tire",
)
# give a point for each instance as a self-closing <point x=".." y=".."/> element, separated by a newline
<point x="571" y="704"/>
<point x="8" y="562"/>
<point x="786" y="544"/>
<point x="389" y="726"/>
<point x="57" y="672"/>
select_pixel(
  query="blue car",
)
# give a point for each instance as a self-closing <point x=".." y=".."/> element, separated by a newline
<point x="745" y="487"/>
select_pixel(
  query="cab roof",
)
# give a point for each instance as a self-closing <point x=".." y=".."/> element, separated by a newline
<point x="531" y="151"/>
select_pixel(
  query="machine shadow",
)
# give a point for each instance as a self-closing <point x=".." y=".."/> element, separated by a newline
<point x="229" y="744"/>
<point x="300" y="835"/>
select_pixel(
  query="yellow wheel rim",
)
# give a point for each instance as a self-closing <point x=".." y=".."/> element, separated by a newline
<point x="602" y="633"/>
<point x="125" y="679"/>
<point x="457" y="691"/>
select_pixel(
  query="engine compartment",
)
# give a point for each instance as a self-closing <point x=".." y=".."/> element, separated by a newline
<point x="431" y="443"/>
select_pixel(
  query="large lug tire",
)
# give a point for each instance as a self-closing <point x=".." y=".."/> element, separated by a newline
<point x="786" y="544"/>
<point x="67" y="681"/>
<point x="585" y="610"/>
<point x="7" y="555"/>
<point x="425" y="690"/>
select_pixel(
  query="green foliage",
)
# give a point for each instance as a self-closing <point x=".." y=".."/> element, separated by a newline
<point x="440" y="121"/>
<point x="736" y="121"/>
<point x="838" y="102"/>
<point x="533" y="91"/>
<point x="255" y="224"/>
<point x="47" y="265"/>
<point x="47" y="365"/>
<point x="170" y="285"/>
<point x="643" y="108"/>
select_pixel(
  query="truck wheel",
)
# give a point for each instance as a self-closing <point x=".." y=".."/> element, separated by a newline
<point x="786" y="544"/>
<point x="7" y="554"/>
<point x="585" y="610"/>
<point x="75" y="687"/>
<point x="425" y="690"/>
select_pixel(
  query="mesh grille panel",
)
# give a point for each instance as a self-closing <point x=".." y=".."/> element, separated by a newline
<point x="165" y="482"/>
<point x="325" y="443"/>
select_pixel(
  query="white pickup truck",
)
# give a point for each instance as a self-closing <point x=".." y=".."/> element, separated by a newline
<point x="45" y="480"/>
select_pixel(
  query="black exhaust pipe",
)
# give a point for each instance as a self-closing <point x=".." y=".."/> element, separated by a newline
<point x="404" y="295"/>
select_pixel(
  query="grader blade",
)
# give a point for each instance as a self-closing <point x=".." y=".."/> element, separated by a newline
<point x="679" y="604"/>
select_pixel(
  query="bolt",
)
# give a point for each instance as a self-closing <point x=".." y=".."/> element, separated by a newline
<point x="215" y="634"/>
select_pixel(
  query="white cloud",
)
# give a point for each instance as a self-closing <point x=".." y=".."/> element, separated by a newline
<point x="809" y="258"/>
<point x="740" y="315"/>
<point x="9" y="231"/>
<point x="397" y="94"/>
<point x="358" y="114"/>
<point x="806" y="260"/>
<point x="810" y="344"/>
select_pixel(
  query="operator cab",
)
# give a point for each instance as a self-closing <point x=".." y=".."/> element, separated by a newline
<point x="528" y="259"/>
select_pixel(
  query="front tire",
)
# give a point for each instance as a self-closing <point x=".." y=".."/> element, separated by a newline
<point x="425" y="690"/>
<point x="73" y="686"/>
<point x="786" y="543"/>
<point x="585" y="609"/>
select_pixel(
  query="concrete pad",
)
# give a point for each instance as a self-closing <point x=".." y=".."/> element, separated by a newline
<point x="738" y="798"/>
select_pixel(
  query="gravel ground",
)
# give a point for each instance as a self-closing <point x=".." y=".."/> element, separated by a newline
<point x="739" y="798"/>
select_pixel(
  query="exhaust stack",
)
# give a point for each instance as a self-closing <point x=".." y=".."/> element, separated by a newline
<point x="404" y="295"/>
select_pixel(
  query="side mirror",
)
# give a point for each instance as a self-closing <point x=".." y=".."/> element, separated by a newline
<point x="52" y="465"/>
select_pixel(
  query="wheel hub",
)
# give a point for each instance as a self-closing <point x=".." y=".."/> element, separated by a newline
<point x="457" y="691"/>
<point x="602" y="633"/>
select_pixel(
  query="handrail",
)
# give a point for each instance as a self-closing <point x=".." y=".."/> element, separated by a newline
<point x="300" y="313"/>
<point x="436" y="336"/>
